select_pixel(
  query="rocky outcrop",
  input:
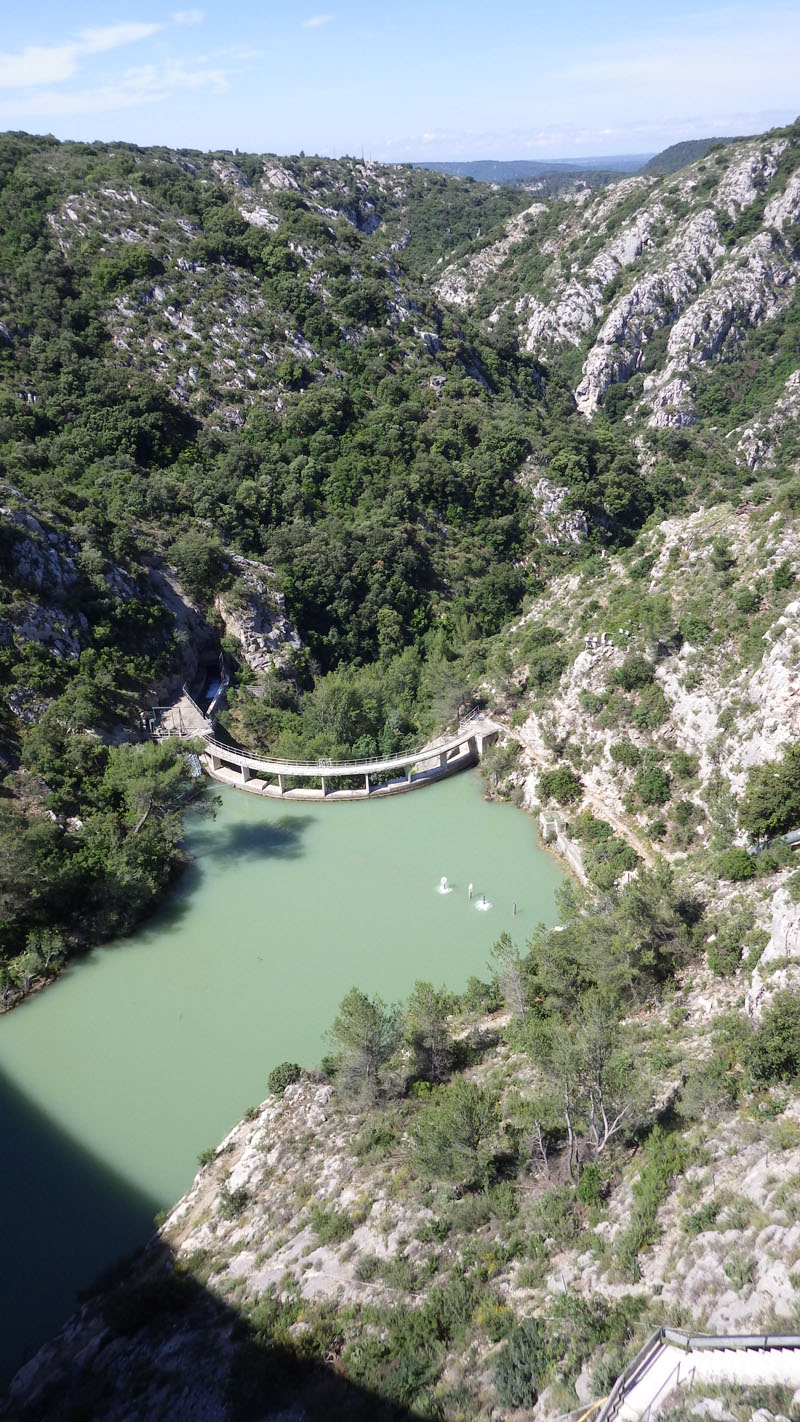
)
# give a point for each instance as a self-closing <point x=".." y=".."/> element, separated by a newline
<point x="729" y="716"/>
<point x="42" y="565"/>
<point x="254" y="612"/>
<point x="778" y="968"/>
<point x="555" y="524"/>
<point x="622" y="278"/>
<point x="461" y="280"/>
<point x="757" y="445"/>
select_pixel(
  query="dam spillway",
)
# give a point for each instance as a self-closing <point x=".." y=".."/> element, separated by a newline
<point x="232" y="765"/>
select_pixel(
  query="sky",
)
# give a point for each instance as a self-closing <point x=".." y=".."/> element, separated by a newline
<point x="419" y="79"/>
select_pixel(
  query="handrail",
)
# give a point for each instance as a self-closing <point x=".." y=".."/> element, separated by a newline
<point x="187" y="693"/>
<point x="386" y="761"/>
<point x="666" y="1386"/>
<point x="690" y="1343"/>
<point x="695" y="1342"/>
<point x="633" y="1370"/>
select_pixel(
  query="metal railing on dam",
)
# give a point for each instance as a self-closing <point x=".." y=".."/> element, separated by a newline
<point x="234" y="766"/>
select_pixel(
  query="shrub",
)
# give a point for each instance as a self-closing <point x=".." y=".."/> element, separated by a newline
<point x="739" y="1268"/>
<point x="330" y="1226"/>
<point x="200" y="561"/>
<point x="652" y="786"/>
<point x="652" y="711"/>
<point x="684" y="766"/>
<point x="233" y="1202"/>
<point x="481" y="997"/>
<point x="451" y="1137"/>
<point x="695" y="629"/>
<point x="771" y="801"/>
<point x="686" y="812"/>
<point x="737" y="865"/>
<point x="561" y="785"/>
<point x="773" y="1053"/>
<point x="545" y="667"/>
<point x="286" y="1074"/>
<point x="590" y="1186"/>
<point x="636" y="672"/>
<point x="625" y="753"/>
<point x="522" y="1365"/>
<point x="725" y="953"/>
<point x="664" y="1157"/>
<point x="703" y="1219"/>
<point x="747" y="602"/>
<point x="783" y="577"/>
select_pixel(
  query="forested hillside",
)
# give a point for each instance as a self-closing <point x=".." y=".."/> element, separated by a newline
<point x="388" y="402"/>
<point x="204" y="357"/>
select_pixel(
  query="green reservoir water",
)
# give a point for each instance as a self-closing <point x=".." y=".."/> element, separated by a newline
<point x="115" y="1078"/>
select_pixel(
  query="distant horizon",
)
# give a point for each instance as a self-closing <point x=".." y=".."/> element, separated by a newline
<point x="432" y="80"/>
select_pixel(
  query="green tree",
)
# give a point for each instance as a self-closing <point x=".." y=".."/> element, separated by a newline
<point x="452" y="1136"/>
<point x="506" y="966"/>
<point x="561" y="785"/>
<point x="770" y="804"/>
<point x="200" y="562"/>
<point x="772" y="1054"/>
<point x="428" y="1031"/>
<point x="367" y="1034"/>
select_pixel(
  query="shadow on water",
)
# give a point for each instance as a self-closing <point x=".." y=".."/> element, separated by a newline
<point x="63" y="1216"/>
<point x="275" y="839"/>
<point x="163" y="1346"/>
<point x="247" y="840"/>
<point x="213" y="844"/>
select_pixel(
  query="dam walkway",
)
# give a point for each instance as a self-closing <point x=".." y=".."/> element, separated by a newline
<point x="379" y="775"/>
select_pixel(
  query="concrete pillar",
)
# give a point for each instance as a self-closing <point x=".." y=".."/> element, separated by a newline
<point x="473" y="747"/>
<point x="215" y="760"/>
<point x="245" y="773"/>
<point x="324" y="786"/>
<point x="366" y="783"/>
<point x="282" y="783"/>
<point x="409" y="774"/>
<point x="442" y="759"/>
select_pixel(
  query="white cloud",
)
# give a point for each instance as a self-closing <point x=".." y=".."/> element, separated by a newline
<point x="188" y="17"/>
<point x="52" y="64"/>
<point x="147" y="84"/>
<point x="165" y="79"/>
<point x="315" y="21"/>
<point x="712" y="58"/>
<point x="97" y="41"/>
<point x="38" y="65"/>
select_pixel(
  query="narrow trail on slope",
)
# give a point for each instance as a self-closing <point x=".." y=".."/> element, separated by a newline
<point x="595" y="802"/>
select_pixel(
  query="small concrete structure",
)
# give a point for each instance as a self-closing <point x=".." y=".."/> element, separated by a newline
<point x="259" y="774"/>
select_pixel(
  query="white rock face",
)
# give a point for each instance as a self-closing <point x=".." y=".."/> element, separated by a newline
<point x="460" y="281"/>
<point x="756" y="445"/>
<point x="686" y="278"/>
<point x="556" y="524"/>
<point x="260" y="217"/>
<point x="258" y="617"/>
<point x="779" y="965"/>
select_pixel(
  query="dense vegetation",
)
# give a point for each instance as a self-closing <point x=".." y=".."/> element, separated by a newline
<point x="188" y="376"/>
<point x="376" y="471"/>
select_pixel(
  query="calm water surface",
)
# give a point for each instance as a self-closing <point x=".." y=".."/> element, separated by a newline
<point x="145" y="1053"/>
